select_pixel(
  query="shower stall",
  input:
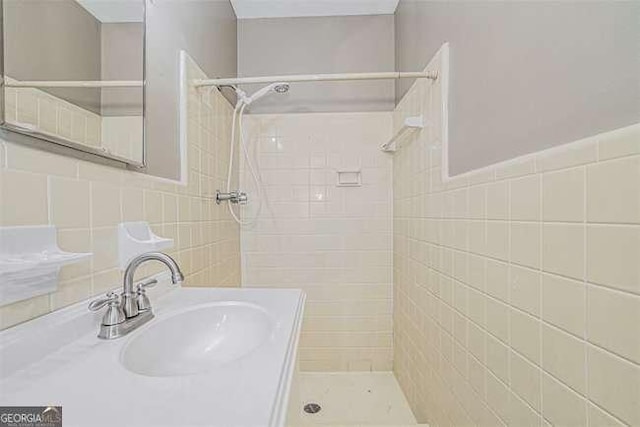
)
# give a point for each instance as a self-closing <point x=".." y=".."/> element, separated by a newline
<point x="314" y="201"/>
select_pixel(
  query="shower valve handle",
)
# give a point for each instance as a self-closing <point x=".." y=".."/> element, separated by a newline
<point x="235" y="197"/>
<point x="242" y="198"/>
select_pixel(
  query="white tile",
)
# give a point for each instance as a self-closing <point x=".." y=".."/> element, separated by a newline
<point x="497" y="279"/>
<point x="525" y="198"/>
<point x="525" y="289"/>
<point x="25" y="158"/>
<point x="563" y="249"/>
<point x="564" y="357"/>
<point x="27" y="108"/>
<point x="525" y="335"/>
<point x="613" y="321"/>
<point x="498" y="239"/>
<point x="24" y="198"/>
<point x="563" y="195"/>
<point x="614" y="384"/>
<point x="525" y="380"/>
<point x="497" y="358"/>
<point x="564" y="303"/>
<point x="612" y="256"/>
<point x="561" y="405"/>
<point x="613" y="191"/>
<point x="525" y="244"/>
<point x="498" y="200"/>
<point x="497" y="319"/>
<point x="64" y="214"/>
<point x="598" y="417"/>
<point x="105" y="205"/>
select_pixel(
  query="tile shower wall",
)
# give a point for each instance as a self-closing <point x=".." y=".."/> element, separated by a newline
<point x="333" y="242"/>
<point x="517" y="287"/>
<point x="86" y="201"/>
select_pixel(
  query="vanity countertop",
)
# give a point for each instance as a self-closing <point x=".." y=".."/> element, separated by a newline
<point x="58" y="360"/>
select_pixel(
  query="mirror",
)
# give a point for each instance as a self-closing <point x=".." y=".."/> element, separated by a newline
<point x="73" y="74"/>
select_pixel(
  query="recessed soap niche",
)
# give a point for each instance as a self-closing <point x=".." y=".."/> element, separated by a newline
<point x="30" y="261"/>
<point x="349" y="178"/>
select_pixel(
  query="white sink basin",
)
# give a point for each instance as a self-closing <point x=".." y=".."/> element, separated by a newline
<point x="197" y="340"/>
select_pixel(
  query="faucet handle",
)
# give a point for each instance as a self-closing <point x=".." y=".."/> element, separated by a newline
<point x="141" y="295"/>
<point x="109" y="298"/>
<point x="114" y="314"/>
<point x="146" y="284"/>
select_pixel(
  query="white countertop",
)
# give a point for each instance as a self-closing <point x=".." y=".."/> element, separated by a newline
<point x="86" y="378"/>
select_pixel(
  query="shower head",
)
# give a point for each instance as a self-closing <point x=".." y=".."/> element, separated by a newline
<point x="280" y="87"/>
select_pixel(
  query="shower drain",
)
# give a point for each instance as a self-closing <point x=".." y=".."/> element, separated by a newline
<point x="312" y="408"/>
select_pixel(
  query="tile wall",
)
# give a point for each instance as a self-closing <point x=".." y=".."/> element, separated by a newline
<point x="86" y="202"/>
<point x="40" y="111"/>
<point x="121" y="135"/>
<point x="333" y="242"/>
<point x="517" y="287"/>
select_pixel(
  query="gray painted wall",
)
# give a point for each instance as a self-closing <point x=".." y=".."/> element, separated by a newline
<point x="53" y="40"/>
<point x="122" y="59"/>
<point x="207" y="31"/>
<point x="319" y="45"/>
<point x="526" y="75"/>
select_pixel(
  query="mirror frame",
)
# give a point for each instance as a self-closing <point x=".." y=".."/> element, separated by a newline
<point x="81" y="148"/>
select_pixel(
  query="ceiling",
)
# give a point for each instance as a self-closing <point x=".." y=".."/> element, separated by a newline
<point x="111" y="11"/>
<point x="247" y="9"/>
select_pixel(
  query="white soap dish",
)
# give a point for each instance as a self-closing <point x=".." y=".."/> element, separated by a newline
<point x="136" y="238"/>
<point x="30" y="260"/>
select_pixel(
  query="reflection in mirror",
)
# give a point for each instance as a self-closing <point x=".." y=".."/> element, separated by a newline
<point x="74" y="72"/>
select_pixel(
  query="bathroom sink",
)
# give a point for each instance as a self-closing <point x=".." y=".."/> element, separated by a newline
<point x="221" y="357"/>
<point x="197" y="340"/>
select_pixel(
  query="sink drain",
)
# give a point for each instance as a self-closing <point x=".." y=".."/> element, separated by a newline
<point x="312" y="408"/>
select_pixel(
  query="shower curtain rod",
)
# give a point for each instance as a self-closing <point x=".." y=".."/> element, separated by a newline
<point x="74" y="83"/>
<point x="317" y="78"/>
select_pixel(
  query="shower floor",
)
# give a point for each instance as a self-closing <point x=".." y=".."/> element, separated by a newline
<point x="349" y="399"/>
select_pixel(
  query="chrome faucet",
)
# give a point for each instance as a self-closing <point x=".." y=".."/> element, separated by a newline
<point x="129" y="299"/>
<point x="131" y="310"/>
